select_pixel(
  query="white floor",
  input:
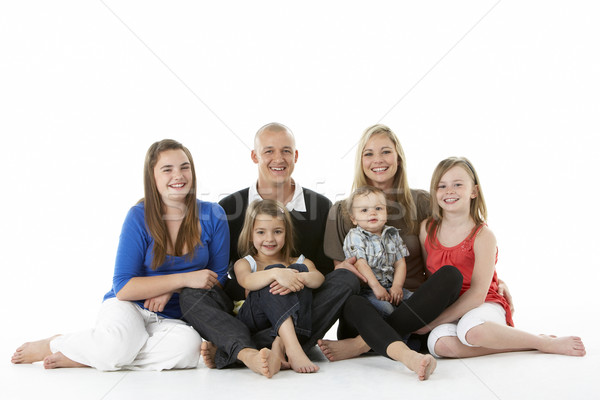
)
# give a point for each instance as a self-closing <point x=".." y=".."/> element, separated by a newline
<point x="526" y="375"/>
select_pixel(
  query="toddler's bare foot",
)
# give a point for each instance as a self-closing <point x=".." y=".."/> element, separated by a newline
<point x="300" y="362"/>
<point x="59" y="360"/>
<point x="422" y="364"/>
<point x="31" y="352"/>
<point x="336" y="350"/>
<point x="566" y="345"/>
<point x="262" y="362"/>
<point x="278" y="350"/>
<point x="208" y="351"/>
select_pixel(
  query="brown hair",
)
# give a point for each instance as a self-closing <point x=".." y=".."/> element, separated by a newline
<point x="362" y="191"/>
<point x="190" y="231"/>
<point x="274" y="209"/>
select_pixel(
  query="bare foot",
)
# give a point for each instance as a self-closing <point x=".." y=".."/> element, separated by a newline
<point x="208" y="351"/>
<point x="262" y="362"/>
<point x="336" y="350"/>
<point x="422" y="364"/>
<point x="31" y="352"/>
<point x="59" y="360"/>
<point x="566" y="345"/>
<point x="300" y="362"/>
<point x="278" y="350"/>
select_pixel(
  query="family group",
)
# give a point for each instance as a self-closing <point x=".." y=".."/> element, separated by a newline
<point x="260" y="277"/>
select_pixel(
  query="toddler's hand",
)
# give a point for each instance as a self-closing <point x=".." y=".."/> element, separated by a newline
<point x="396" y="295"/>
<point x="381" y="293"/>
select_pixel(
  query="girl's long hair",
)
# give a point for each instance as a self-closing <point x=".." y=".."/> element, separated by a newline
<point x="403" y="195"/>
<point x="478" y="209"/>
<point x="274" y="209"/>
<point x="189" y="232"/>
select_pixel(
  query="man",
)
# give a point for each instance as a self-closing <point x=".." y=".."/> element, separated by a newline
<point x="209" y="311"/>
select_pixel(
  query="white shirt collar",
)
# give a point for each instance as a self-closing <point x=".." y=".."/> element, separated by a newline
<point x="297" y="203"/>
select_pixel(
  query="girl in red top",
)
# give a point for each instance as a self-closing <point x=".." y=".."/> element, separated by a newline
<point x="480" y="321"/>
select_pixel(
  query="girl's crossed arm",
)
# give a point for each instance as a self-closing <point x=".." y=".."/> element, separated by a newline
<point x="257" y="280"/>
<point x="313" y="278"/>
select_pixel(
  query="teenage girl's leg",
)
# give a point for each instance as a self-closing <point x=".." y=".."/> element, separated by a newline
<point x="31" y="352"/>
<point x="495" y="336"/>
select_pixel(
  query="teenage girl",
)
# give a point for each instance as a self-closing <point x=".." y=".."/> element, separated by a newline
<point x="276" y="283"/>
<point x="480" y="321"/>
<point x="170" y="240"/>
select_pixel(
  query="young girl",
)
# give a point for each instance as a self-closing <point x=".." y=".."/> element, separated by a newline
<point x="275" y="282"/>
<point x="170" y="240"/>
<point x="480" y="321"/>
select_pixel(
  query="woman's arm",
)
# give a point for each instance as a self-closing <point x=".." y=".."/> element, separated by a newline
<point x="422" y="238"/>
<point x="483" y="271"/>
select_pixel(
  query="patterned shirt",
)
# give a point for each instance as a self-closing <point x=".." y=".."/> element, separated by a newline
<point x="380" y="252"/>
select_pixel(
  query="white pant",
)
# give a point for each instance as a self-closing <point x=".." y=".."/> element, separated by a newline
<point x="127" y="336"/>
<point x="486" y="312"/>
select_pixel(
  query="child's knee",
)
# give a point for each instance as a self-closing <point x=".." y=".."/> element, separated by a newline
<point x="471" y="337"/>
<point x="440" y="340"/>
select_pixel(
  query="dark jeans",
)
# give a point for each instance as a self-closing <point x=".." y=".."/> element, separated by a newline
<point x="438" y="292"/>
<point x="263" y="310"/>
<point x="210" y="313"/>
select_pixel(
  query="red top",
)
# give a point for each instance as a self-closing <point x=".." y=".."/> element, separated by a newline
<point x="462" y="256"/>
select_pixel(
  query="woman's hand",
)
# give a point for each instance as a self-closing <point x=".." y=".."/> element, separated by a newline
<point x="158" y="303"/>
<point x="202" y="279"/>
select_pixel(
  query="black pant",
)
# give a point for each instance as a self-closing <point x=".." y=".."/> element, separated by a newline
<point x="263" y="310"/>
<point x="438" y="292"/>
<point x="210" y="313"/>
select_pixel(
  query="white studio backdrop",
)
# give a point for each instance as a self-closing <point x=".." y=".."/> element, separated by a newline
<point x="87" y="86"/>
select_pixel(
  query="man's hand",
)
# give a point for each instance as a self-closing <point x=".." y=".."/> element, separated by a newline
<point x="349" y="265"/>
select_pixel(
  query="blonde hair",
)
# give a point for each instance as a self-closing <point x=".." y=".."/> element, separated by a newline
<point x="274" y="209"/>
<point x="478" y="209"/>
<point x="190" y="231"/>
<point x="403" y="194"/>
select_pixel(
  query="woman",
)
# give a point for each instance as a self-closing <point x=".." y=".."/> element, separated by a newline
<point x="170" y="240"/>
<point x="380" y="162"/>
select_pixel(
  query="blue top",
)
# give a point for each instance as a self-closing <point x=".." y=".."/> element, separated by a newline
<point x="134" y="255"/>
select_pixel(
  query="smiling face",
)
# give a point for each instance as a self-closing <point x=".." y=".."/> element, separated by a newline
<point x="380" y="161"/>
<point x="369" y="212"/>
<point x="268" y="235"/>
<point x="455" y="190"/>
<point x="275" y="153"/>
<point x="173" y="176"/>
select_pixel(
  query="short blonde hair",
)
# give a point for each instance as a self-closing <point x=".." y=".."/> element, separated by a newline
<point x="362" y="191"/>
